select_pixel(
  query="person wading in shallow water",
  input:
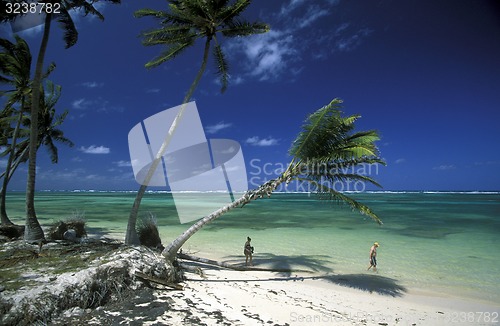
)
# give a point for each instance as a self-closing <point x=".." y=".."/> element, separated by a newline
<point x="373" y="257"/>
<point x="248" y="251"/>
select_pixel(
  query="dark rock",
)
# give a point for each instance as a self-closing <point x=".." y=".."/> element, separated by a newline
<point x="70" y="235"/>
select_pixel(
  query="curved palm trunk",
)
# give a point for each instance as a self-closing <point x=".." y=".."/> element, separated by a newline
<point x="266" y="189"/>
<point x="131" y="237"/>
<point x="33" y="231"/>
<point x="3" y="193"/>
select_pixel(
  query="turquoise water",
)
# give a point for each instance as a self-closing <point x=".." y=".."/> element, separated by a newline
<point x="436" y="242"/>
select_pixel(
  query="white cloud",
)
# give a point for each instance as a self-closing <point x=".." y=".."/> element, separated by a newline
<point x="278" y="53"/>
<point x="92" y="84"/>
<point x="256" y="141"/>
<point x="153" y="90"/>
<point x="313" y="14"/>
<point x="93" y="149"/>
<point x="79" y="104"/>
<point x="487" y="163"/>
<point x="400" y="160"/>
<point x="123" y="164"/>
<point x="217" y="127"/>
<point x="267" y="55"/>
<point x="99" y="105"/>
<point x="444" y="167"/>
<point x="292" y="5"/>
<point x="351" y="41"/>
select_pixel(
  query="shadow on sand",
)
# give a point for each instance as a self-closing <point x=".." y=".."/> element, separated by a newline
<point x="300" y="263"/>
<point x="369" y="283"/>
<point x="317" y="264"/>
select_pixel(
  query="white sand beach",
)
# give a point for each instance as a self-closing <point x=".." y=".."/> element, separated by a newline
<point x="265" y="298"/>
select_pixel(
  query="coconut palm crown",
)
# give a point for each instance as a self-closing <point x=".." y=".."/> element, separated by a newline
<point x="189" y="20"/>
<point x="327" y="152"/>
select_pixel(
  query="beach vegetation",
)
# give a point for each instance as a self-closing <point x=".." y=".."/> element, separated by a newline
<point x="147" y="230"/>
<point x="75" y="223"/>
<point x="324" y="152"/>
<point x="180" y="26"/>
<point x="33" y="230"/>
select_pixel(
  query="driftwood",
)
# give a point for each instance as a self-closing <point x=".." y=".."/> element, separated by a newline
<point x="192" y="269"/>
<point x="157" y="280"/>
<point x="236" y="267"/>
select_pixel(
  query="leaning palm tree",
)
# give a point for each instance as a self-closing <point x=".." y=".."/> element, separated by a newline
<point x="181" y="26"/>
<point x="34" y="232"/>
<point x="322" y="154"/>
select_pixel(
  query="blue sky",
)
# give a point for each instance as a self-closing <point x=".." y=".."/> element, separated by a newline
<point x="425" y="74"/>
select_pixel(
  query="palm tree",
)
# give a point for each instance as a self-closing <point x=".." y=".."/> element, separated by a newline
<point x="48" y="134"/>
<point x="181" y="26"/>
<point x="323" y="153"/>
<point x="49" y="121"/>
<point x="34" y="232"/>
<point x="15" y="64"/>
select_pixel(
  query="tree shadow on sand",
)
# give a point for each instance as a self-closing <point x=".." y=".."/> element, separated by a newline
<point x="369" y="283"/>
<point x="311" y="263"/>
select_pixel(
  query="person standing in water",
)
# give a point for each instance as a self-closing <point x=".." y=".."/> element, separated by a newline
<point x="248" y="251"/>
<point x="373" y="257"/>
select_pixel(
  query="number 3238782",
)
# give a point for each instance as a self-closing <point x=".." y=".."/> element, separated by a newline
<point x="473" y="317"/>
<point x="38" y="7"/>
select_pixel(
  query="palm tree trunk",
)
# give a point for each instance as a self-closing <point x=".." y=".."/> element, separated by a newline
<point x="33" y="231"/>
<point x="131" y="237"/>
<point x="3" y="193"/>
<point x="3" y="211"/>
<point x="170" y="251"/>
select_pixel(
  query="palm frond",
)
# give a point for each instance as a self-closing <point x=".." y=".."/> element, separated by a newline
<point x="88" y="8"/>
<point x="51" y="149"/>
<point x="150" y="12"/>
<point x="170" y="53"/>
<point x="69" y="28"/>
<point x="167" y="35"/>
<point x="49" y="70"/>
<point x="316" y="126"/>
<point x="237" y="28"/>
<point x="228" y="13"/>
<point x="326" y="192"/>
<point x="222" y="67"/>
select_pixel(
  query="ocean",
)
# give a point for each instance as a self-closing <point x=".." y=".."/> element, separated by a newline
<point x="437" y="243"/>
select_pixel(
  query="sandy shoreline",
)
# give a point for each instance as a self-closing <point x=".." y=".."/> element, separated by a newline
<point x="256" y="298"/>
<point x="227" y="297"/>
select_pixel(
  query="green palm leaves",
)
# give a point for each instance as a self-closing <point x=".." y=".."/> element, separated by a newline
<point x="189" y="20"/>
<point x="328" y="152"/>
